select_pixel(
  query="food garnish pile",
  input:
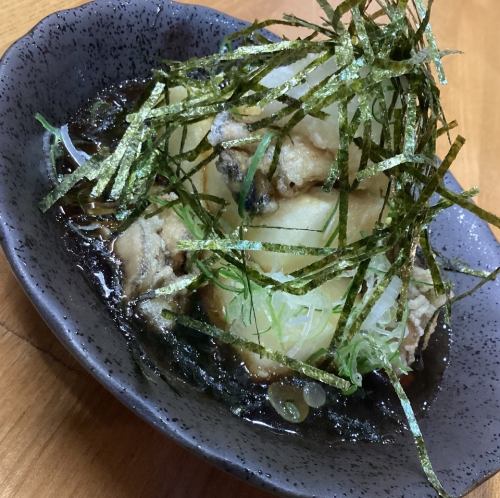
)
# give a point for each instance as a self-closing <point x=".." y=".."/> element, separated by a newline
<point x="289" y="185"/>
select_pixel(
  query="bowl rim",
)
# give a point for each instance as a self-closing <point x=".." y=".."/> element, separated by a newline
<point x="42" y="303"/>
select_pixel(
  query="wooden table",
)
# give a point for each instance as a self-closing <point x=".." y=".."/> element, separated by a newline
<point x="61" y="433"/>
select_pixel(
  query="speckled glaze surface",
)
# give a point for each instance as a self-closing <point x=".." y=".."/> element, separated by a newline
<point x="64" y="61"/>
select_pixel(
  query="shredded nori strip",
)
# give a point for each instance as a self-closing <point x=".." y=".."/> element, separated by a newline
<point x="423" y="455"/>
<point x="229" y="338"/>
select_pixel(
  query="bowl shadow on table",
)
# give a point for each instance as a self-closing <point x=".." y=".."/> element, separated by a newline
<point x="103" y="445"/>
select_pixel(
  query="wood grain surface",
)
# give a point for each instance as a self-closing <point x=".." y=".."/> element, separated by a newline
<point x="61" y="433"/>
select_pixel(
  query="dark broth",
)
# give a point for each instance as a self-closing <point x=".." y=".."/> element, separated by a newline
<point x="372" y="414"/>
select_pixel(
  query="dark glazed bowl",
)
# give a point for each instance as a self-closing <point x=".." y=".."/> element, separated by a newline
<point x="54" y="69"/>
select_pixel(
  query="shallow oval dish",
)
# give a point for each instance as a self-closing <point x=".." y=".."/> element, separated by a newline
<point x="54" y="69"/>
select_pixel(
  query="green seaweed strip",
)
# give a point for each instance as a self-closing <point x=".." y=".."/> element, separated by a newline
<point x="108" y="170"/>
<point x="398" y="130"/>
<point x="382" y="240"/>
<point x="178" y="285"/>
<point x="365" y="151"/>
<point x="342" y="158"/>
<point x="252" y="168"/>
<point x="428" y="137"/>
<point x="343" y="8"/>
<point x="291" y="102"/>
<point x="328" y="9"/>
<point x="423" y="455"/>
<point x="235" y="341"/>
<point x="304" y="283"/>
<point x="392" y="162"/>
<point x="90" y="170"/>
<point x="245" y="51"/>
<point x="435" y="180"/>
<point x="458" y="266"/>
<point x="419" y="34"/>
<point x="141" y="179"/>
<point x="183" y="139"/>
<point x="466" y="271"/>
<point x="352" y="294"/>
<point x="406" y="276"/>
<point x="410" y="143"/>
<point x="344" y="52"/>
<point x="386" y="201"/>
<point x="347" y="83"/>
<point x="297" y="79"/>
<point x="301" y="287"/>
<point x="192" y="155"/>
<point x="120" y="161"/>
<point x="276" y="157"/>
<point x="485" y="279"/>
<point x="422" y="12"/>
<point x="379" y="239"/>
<point x="430" y="258"/>
<point x="362" y="34"/>
<point x="447" y="128"/>
<point x="469" y="206"/>
<point x="241" y="142"/>
<point x="343" y="166"/>
<point x="294" y="229"/>
<point x="162" y="206"/>
<point x="133" y="140"/>
<point x="213" y="198"/>
<point x="374" y="297"/>
<point x="460" y="199"/>
<point x="194" y="170"/>
<point x="250" y="245"/>
<point x="186" y="107"/>
<point x="292" y="20"/>
<point x="489" y="278"/>
<point x="191" y="114"/>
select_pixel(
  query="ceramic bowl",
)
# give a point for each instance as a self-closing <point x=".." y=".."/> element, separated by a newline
<point x="54" y="69"/>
